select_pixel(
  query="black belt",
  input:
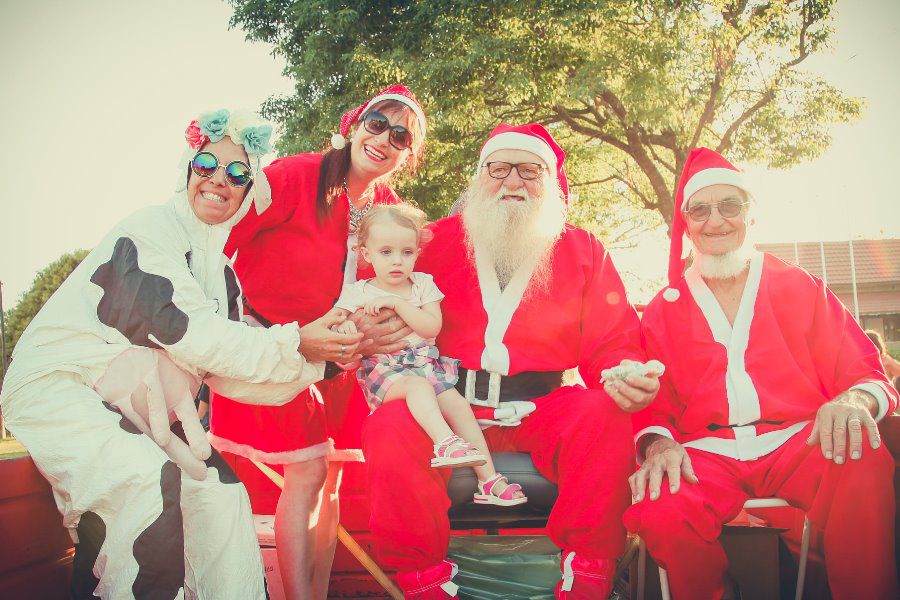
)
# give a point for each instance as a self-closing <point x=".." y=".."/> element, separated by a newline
<point x="527" y="385"/>
<point x="714" y="427"/>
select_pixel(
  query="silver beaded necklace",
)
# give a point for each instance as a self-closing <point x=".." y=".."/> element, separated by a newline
<point x="356" y="214"/>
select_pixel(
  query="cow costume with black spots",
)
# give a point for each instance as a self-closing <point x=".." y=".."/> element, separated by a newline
<point x="119" y="351"/>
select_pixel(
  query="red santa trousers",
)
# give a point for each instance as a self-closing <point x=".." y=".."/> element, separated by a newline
<point x="577" y="438"/>
<point x="852" y="503"/>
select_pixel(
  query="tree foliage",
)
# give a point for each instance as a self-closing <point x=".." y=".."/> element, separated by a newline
<point x="45" y="283"/>
<point x="629" y="86"/>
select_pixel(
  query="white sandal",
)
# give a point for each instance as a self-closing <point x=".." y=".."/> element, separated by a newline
<point x="487" y="495"/>
<point x="453" y="451"/>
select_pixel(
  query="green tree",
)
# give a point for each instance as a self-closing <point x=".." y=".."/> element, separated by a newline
<point x="629" y="85"/>
<point x="45" y="283"/>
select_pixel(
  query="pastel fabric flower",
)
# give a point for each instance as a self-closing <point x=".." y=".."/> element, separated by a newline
<point x="257" y="139"/>
<point x="238" y="122"/>
<point x="192" y="134"/>
<point x="213" y="124"/>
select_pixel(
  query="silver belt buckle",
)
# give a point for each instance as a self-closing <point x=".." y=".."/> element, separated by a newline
<point x="493" y="399"/>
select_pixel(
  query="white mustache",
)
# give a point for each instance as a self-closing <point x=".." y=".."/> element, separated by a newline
<point x="504" y="191"/>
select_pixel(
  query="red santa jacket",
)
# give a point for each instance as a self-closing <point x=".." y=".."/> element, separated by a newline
<point x="290" y="262"/>
<point x="584" y="320"/>
<point x="743" y="391"/>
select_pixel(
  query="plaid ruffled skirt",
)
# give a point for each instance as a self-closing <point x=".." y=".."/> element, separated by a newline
<point x="378" y="372"/>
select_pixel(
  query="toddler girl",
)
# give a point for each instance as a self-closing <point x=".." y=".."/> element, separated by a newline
<point x="389" y="238"/>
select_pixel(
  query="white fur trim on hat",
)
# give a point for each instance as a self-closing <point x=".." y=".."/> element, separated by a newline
<point x="420" y="115"/>
<point x="513" y="140"/>
<point x="708" y="177"/>
<point x="671" y="294"/>
<point x="338" y="141"/>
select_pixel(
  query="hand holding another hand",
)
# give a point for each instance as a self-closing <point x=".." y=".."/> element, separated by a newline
<point x="319" y="343"/>
<point x="383" y="333"/>
<point x="347" y="327"/>
<point x="374" y="306"/>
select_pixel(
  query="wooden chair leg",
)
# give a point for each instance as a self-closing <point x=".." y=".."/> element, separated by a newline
<point x="355" y="549"/>
<point x="642" y="570"/>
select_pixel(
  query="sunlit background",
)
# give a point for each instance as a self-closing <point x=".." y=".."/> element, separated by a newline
<point x="96" y="96"/>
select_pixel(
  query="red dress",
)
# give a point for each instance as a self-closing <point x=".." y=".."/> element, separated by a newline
<point x="291" y="266"/>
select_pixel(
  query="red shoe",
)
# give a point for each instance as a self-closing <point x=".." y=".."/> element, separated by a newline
<point x="433" y="583"/>
<point x="585" y="578"/>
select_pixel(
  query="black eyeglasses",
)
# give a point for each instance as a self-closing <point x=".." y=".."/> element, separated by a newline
<point x="399" y="137"/>
<point x="728" y="209"/>
<point x="526" y="170"/>
<point x="237" y="173"/>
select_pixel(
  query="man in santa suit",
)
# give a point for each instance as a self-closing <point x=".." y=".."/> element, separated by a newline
<point x="527" y="297"/>
<point x="771" y="389"/>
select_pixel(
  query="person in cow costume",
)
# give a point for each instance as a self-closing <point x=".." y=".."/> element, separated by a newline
<point x="120" y="350"/>
<point x="771" y="389"/>
<point x="527" y="297"/>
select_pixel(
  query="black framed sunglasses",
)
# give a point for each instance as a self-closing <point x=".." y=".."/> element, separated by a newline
<point x="237" y="173"/>
<point x="728" y="209"/>
<point x="526" y="170"/>
<point x="399" y="137"/>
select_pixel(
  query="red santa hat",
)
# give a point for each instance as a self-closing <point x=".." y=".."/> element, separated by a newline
<point x="532" y="138"/>
<point x="703" y="168"/>
<point x="396" y="92"/>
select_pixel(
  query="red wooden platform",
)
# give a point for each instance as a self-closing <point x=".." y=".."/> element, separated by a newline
<point x="36" y="551"/>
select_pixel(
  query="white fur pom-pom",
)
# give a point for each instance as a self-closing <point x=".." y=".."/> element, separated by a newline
<point x="338" y="141"/>
<point x="671" y="295"/>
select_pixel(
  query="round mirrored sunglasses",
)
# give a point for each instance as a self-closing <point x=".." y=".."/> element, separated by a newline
<point x="237" y="173"/>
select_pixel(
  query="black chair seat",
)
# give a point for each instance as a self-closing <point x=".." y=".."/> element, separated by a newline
<point x="518" y="467"/>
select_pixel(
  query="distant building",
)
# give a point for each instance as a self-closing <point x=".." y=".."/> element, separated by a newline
<point x="876" y="266"/>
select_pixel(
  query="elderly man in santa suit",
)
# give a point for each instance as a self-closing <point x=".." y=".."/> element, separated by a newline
<point x="771" y="389"/>
<point x="527" y="297"/>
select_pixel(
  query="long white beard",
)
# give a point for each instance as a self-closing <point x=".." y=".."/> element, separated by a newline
<point x="724" y="266"/>
<point x="515" y="233"/>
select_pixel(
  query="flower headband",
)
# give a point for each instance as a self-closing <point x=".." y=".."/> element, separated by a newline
<point x="244" y="128"/>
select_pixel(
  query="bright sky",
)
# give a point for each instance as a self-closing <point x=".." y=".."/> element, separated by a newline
<point x="96" y="96"/>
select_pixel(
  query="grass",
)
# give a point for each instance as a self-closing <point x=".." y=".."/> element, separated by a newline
<point x="10" y="448"/>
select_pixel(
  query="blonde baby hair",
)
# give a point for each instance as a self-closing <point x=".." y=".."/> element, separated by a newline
<point x="404" y="215"/>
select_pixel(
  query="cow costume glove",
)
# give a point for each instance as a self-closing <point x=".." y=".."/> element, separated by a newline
<point x="152" y="392"/>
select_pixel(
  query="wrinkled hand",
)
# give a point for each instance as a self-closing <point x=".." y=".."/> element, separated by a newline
<point x="634" y="393"/>
<point x="383" y="332"/>
<point x="152" y="392"/>
<point x="372" y="307"/>
<point x="345" y="327"/>
<point x="664" y="457"/>
<point x="319" y="343"/>
<point x="840" y="422"/>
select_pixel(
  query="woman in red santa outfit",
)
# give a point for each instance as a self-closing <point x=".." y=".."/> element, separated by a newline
<point x="292" y="261"/>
